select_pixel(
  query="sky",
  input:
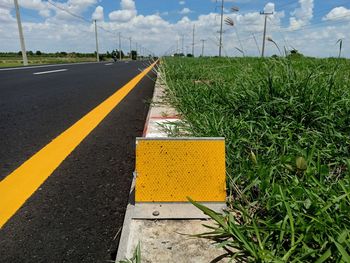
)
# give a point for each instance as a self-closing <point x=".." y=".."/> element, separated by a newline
<point x="164" y="27"/>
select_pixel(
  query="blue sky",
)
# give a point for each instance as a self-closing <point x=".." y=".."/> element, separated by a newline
<point x="312" y="26"/>
<point x="170" y="9"/>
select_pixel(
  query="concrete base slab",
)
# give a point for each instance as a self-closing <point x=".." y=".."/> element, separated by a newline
<point x="173" y="210"/>
<point x="169" y="241"/>
<point x="167" y="238"/>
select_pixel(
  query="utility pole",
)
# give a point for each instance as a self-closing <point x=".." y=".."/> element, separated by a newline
<point x="183" y="44"/>
<point x="137" y="50"/>
<point x="120" y="46"/>
<point x="203" y="41"/>
<point x="21" y="37"/>
<point x="221" y="26"/>
<point x="97" y="54"/>
<point x="264" y="40"/>
<point x="194" y="28"/>
<point x="130" y="39"/>
<point x="177" y="45"/>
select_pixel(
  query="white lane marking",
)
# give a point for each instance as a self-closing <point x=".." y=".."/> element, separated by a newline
<point x="46" y="66"/>
<point x="109" y="64"/>
<point x="51" y="71"/>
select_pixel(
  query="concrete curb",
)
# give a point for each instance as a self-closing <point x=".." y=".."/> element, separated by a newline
<point x="164" y="240"/>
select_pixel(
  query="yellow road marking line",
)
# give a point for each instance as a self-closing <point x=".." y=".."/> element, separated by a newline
<point x="17" y="187"/>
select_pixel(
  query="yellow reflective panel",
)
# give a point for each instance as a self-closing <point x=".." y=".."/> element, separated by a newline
<point x="169" y="170"/>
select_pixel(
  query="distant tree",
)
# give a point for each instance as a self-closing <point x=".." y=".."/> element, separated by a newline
<point x="102" y="57"/>
<point x="120" y="52"/>
<point x="63" y="54"/>
<point x="189" y="55"/>
<point x="38" y="53"/>
<point x="179" y="55"/>
<point x="30" y="53"/>
<point x="295" y="54"/>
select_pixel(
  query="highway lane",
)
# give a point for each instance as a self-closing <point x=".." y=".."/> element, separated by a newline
<point x="37" y="108"/>
<point x="75" y="214"/>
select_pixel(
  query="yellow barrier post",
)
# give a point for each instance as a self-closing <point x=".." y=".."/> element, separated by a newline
<point x="168" y="170"/>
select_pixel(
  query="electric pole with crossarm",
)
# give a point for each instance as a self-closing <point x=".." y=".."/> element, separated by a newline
<point x="96" y="38"/>
<point x="194" y="28"/>
<point x="203" y="41"/>
<point x="21" y="37"/>
<point x="130" y="39"/>
<point x="264" y="37"/>
<point x="221" y="27"/>
<point x="120" y="46"/>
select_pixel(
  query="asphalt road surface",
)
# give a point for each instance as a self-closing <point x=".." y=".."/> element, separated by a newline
<point x="75" y="215"/>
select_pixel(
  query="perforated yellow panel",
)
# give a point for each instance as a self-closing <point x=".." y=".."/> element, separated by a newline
<point x="169" y="170"/>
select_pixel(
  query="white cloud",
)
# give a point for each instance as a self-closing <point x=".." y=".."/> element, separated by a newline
<point x="45" y="9"/>
<point x="254" y="21"/>
<point x="81" y="3"/>
<point x="6" y="4"/>
<point x="45" y="12"/>
<point x="338" y="13"/>
<point x="302" y="15"/>
<point x="182" y="2"/>
<point x="127" y="5"/>
<point x="37" y="5"/>
<point x="32" y="4"/>
<point x="185" y="11"/>
<point x="269" y="8"/>
<point x="122" y="15"/>
<point x="128" y="11"/>
<point x="98" y="14"/>
<point x="5" y="16"/>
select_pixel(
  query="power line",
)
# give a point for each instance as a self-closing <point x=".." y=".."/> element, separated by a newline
<point x="85" y="20"/>
<point x="336" y="20"/>
<point x="69" y="12"/>
<point x="279" y="31"/>
<point x="78" y="16"/>
<point x="288" y="30"/>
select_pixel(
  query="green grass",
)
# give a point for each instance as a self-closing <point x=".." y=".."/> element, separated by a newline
<point x="16" y="61"/>
<point x="136" y="258"/>
<point x="287" y="127"/>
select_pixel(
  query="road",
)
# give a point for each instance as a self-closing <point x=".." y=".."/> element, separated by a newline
<point x="76" y="213"/>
